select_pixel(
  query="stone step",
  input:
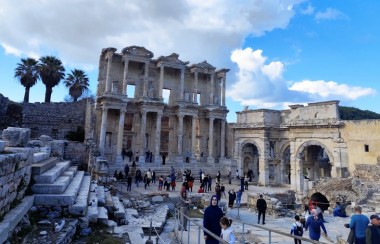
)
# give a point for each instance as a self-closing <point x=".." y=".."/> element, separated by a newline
<point x="120" y="211"/>
<point x="52" y="174"/>
<point x="109" y="202"/>
<point x="13" y="217"/>
<point x="40" y="156"/>
<point x="42" y="166"/>
<point x="81" y="202"/>
<point x="59" y="185"/>
<point x="92" y="210"/>
<point x="102" y="215"/>
<point x="67" y="198"/>
<point x="101" y="196"/>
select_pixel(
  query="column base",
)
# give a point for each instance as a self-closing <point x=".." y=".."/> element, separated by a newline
<point x="119" y="159"/>
<point x="157" y="160"/>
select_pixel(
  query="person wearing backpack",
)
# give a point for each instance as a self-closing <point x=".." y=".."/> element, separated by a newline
<point x="314" y="224"/>
<point x="297" y="229"/>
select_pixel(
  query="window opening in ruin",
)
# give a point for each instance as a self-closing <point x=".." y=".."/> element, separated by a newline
<point x="108" y="139"/>
<point x="366" y="148"/>
<point x="166" y="95"/>
<point x="115" y="85"/>
<point x="131" y="91"/>
<point x="199" y="99"/>
<point x="34" y="132"/>
<point x="54" y="133"/>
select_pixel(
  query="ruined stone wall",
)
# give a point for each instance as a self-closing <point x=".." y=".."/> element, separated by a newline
<point x="357" y="134"/>
<point x="15" y="175"/>
<point x="54" y="119"/>
<point x="76" y="153"/>
<point x="10" y="113"/>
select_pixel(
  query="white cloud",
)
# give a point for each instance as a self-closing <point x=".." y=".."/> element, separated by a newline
<point x="329" y="14"/>
<point x="261" y="84"/>
<point x="308" y="11"/>
<point x="331" y="89"/>
<point x="77" y="30"/>
<point x="11" y="50"/>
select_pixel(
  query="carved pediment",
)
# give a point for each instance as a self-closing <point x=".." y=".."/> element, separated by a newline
<point x="137" y="51"/>
<point x="107" y="50"/>
<point x="172" y="58"/>
<point x="204" y="66"/>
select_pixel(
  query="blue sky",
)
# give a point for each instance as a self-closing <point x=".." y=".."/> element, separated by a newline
<point x="280" y="52"/>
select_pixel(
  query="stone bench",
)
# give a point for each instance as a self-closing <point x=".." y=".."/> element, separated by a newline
<point x="67" y="198"/>
<point x="52" y="174"/>
<point x="59" y="185"/>
<point x="101" y="196"/>
<point x="120" y="211"/>
<point x="103" y="215"/>
<point x="43" y="166"/>
<point x="80" y="206"/>
<point x="92" y="210"/>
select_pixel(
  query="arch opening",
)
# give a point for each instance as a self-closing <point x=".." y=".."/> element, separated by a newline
<point x="250" y="156"/>
<point x="315" y="163"/>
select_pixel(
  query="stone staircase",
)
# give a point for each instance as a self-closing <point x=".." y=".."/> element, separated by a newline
<point x="59" y="184"/>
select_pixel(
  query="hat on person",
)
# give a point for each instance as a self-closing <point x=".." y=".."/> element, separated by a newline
<point x="374" y="216"/>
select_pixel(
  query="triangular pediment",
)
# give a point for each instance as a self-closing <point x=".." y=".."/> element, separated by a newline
<point x="172" y="58"/>
<point x="137" y="51"/>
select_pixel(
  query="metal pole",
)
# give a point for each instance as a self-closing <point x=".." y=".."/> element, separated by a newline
<point x="270" y="237"/>
<point x="199" y="234"/>
<point x="149" y="241"/>
<point x="238" y="214"/>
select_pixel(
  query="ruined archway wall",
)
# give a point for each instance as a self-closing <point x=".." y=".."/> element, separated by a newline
<point x="358" y="133"/>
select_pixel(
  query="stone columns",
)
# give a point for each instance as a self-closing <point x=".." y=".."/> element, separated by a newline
<point x="103" y="128"/>
<point x="120" y="134"/>
<point x="212" y="89"/>
<point x="223" y="139"/>
<point x="193" y="135"/>
<point x="158" y="138"/>
<point x="224" y="90"/>
<point x="264" y="170"/>
<point x="161" y="82"/>
<point x="210" y="158"/>
<point x="108" y="77"/>
<point x="125" y="77"/>
<point x="181" y="84"/>
<point x="180" y="133"/>
<point x="143" y="136"/>
<point x="196" y="87"/>
<point x="145" y="86"/>
<point x="297" y="183"/>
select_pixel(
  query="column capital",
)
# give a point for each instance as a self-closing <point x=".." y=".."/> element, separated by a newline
<point x="180" y="115"/>
<point x="160" y="113"/>
<point x="211" y="118"/>
<point x="144" y="111"/>
<point x="104" y="108"/>
<point x="195" y="116"/>
<point x="123" y="110"/>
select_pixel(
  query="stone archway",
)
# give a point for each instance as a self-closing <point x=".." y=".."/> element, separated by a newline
<point x="250" y="159"/>
<point x="316" y="161"/>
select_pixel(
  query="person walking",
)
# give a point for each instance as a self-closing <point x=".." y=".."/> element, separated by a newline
<point x="223" y="189"/>
<point x="163" y="158"/>
<point x="231" y="198"/>
<point x="238" y="198"/>
<point x="359" y="223"/>
<point x="209" y="178"/>
<point x="297" y="229"/>
<point x="227" y="231"/>
<point x="126" y="170"/>
<point x="314" y="225"/>
<point x="184" y="210"/>
<point x="372" y="233"/>
<point x="261" y="206"/>
<point x="211" y="218"/>
<point x="218" y="191"/>
<point x="218" y="177"/>
<point x="129" y="183"/>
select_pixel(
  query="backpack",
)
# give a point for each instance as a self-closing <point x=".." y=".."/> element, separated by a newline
<point x="298" y="230"/>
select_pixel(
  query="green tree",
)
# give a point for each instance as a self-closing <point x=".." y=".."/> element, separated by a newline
<point x="27" y="73"/>
<point x="51" y="73"/>
<point x="77" y="82"/>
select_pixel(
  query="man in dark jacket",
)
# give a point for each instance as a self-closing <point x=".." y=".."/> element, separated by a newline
<point x="372" y="233"/>
<point x="261" y="206"/>
<point x="211" y="218"/>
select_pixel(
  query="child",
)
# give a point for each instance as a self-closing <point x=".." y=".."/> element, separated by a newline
<point x="297" y="229"/>
<point x="227" y="233"/>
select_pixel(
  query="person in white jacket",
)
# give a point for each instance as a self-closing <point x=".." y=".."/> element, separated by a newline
<point x="227" y="231"/>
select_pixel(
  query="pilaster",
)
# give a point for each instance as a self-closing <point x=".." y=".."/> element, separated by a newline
<point x="120" y="134"/>
<point x="125" y="77"/>
<point x="103" y="128"/>
<point x="157" y="159"/>
<point x="210" y="158"/>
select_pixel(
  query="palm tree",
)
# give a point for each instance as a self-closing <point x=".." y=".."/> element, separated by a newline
<point x="27" y="73"/>
<point x="51" y="73"/>
<point x="77" y="82"/>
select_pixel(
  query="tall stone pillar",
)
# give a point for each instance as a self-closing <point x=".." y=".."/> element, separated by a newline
<point x="196" y="86"/>
<point x="103" y="128"/>
<point x="223" y="139"/>
<point x="119" y="147"/>
<point x="157" y="156"/>
<point x="264" y="171"/>
<point x="224" y="90"/>
<point x="145" y="86"/>
<point x="193" y="135"/>
<point x="161" y="82"/>
<point x="297" y="183"/>
<point x="181" y="84"/>
<point x="180" y="135"/>
<point x="212" y="88"/>
<point x="125" y="77"/>
<point x="143" y="136"/>
<point x="108" y="77"/>
<point x="210" y="158"/>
